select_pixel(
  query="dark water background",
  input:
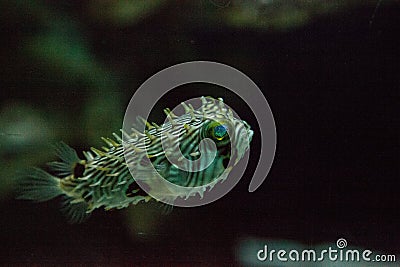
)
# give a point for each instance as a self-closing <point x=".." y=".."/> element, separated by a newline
<point x="333" y="86"/>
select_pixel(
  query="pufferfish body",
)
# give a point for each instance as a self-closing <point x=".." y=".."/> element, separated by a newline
<point x="103" y="178"/>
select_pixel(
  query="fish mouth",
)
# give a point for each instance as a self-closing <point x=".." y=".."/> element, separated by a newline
<point x="250" y="134"/>
<point x="249" y="131"/>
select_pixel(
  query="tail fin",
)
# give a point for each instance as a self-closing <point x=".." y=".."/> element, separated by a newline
<point x="38" y="185"/>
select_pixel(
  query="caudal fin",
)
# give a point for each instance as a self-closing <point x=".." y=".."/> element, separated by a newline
<point x="37" y="185"/>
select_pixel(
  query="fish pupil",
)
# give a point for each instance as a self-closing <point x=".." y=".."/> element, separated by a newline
<point x="220" y="131"/>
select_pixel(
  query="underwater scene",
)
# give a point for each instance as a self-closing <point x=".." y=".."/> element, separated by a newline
<point x="200" y="133"/>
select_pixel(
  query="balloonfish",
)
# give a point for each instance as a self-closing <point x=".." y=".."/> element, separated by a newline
<point x="103" y="177"/>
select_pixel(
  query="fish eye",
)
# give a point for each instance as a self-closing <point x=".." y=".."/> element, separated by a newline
<point x="218" y="131"/>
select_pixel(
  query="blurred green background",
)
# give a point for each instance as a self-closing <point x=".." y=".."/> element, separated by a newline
<point x="329" y="70"/>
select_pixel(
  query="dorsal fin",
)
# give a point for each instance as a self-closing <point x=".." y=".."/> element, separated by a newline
<point x="69" y="159"/>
